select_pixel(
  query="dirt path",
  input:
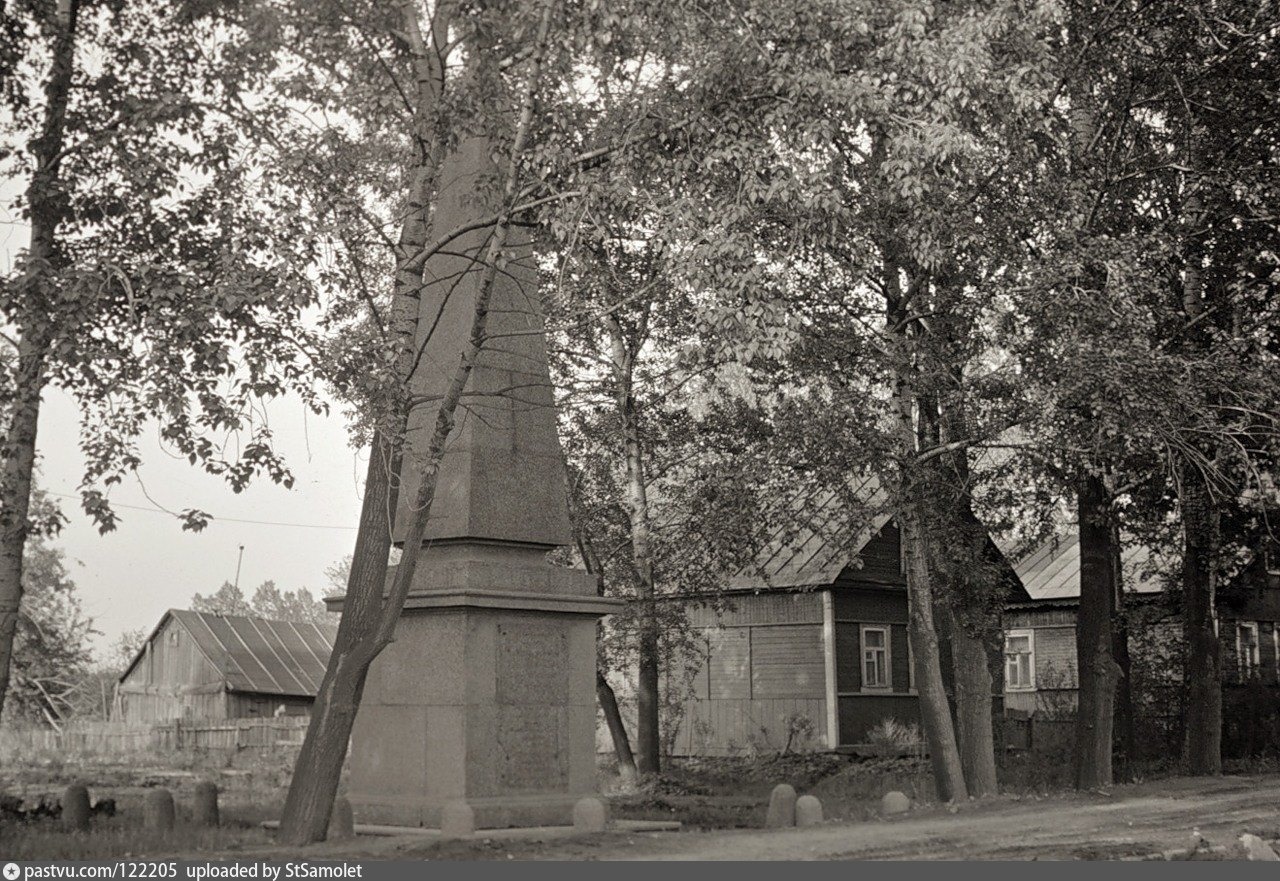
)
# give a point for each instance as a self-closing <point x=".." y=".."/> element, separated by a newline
<point x="1132" y="821"/>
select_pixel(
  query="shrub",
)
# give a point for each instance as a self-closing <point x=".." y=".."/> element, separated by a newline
<point x="893" y="738"/>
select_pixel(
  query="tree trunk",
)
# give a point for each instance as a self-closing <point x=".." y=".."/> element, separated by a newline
<point x="372" y="609"/>
<point x="648" y="697"/>
<point x="1125" y="740"/>
<point x="1202" y="747"/>
<point x="974" y="731"/>
<point x="45" y="203"/>
<point x="1202" y="658"/>
<point x="935" y="714"/>
<point x="974" y="615"/>
<point x="1097" y="668"/>
<point x="617" y="730"/>
<point x="604" y="691"/>
<point x="318" y="769"/>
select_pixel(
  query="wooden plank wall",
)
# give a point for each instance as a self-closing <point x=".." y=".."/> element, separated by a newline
<point x="765" y="672"/>
<point x="174" y="680"/>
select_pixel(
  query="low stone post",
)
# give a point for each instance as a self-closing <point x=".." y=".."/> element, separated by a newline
<point x="75" y="808"/>
<point x="158" y="814"/>
<point x="782" y="807"/>
<point x="894" y="803"/>
<point x="204" y="809"/>
<point x="808" y="811"/>
<point x="590" y="814"/>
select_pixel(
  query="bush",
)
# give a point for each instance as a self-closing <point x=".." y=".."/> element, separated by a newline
<point x="890" y="737"/>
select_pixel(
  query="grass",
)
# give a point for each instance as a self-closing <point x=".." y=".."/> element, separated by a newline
<point x="252" y="788"/>
<point x="110" y="840"/>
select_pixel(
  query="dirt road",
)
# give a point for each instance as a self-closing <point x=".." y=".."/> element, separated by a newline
<point x="1132" y="821"/>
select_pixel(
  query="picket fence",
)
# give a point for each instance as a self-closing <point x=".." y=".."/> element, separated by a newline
<point x="178" y="735"/>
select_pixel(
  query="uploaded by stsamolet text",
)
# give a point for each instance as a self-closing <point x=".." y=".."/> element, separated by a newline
<point x="125" y="870"/>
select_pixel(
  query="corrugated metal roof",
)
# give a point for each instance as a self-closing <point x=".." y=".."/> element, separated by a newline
<point x="815" y="538"/>
<point x="258" y="655"/>
<point x="1052" y="571"/>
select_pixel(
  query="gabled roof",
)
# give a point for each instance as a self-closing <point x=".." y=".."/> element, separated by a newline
<point x="1052" y="571"/>
<point x="256" y="655"/>
<point x="815" y="538"/>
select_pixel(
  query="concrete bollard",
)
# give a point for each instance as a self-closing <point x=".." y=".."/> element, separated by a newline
<point x="158" y="812"/>
<point x="894" y="803"/>
<point x="808" y="811"/>
<point x="590" y="814"/>
<point x="75" y="808"/>
<point x="342" y="822"/>
<point x="204" y="809"/>
<point x="1255" y="849"/>
<point x="782" y="807"/>
<point x="457" y="820"/>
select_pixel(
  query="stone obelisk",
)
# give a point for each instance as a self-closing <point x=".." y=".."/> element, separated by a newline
<point x="487" y="694"/>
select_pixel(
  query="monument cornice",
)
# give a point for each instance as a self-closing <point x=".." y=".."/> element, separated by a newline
<point x="504" y="600"/>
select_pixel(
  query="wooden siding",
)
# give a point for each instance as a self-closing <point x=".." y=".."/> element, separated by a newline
<point x="849" y="657"/>
<point x="787" y="662"/>
<point x="879" y="561"/>
<point x="778" y="607"/>
<point x="174" y="680"/>
<point x="728" y="672"/>
<point x="729" y="727"/>
<point x="871" y="606"/>
<point x="764" y="668"/>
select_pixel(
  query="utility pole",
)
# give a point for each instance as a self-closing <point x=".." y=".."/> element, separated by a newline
<point x="239" y="560"/>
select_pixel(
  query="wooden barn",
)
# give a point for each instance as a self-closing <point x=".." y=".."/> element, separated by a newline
<point x="812" y="652"/>
<point x="197" y="665"/>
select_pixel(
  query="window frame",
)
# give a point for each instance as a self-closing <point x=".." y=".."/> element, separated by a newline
<point x="886" y="650"/>
<point x="1030" y="635"/>
<point x="1251" y="666"/>
<point x="1270" y="559"/>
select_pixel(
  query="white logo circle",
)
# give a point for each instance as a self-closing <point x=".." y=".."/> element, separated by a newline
<point x="11" y="871"/>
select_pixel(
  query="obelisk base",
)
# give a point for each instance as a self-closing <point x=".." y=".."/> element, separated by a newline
<point x="485" y="696"/>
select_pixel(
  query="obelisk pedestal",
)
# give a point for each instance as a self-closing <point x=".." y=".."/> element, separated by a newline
<point x="487" y="694"/>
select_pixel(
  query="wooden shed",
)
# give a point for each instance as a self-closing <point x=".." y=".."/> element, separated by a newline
<point x="812" y="651"/>
<point x="197" y="665"/>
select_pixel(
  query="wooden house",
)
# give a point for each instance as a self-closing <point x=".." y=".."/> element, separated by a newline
<point x="812" y="650"/>
<point x="1040" y="633"/>
<point x="197" y="665"/>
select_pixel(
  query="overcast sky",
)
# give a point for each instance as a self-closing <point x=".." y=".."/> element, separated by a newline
<point x="128" y="578"/>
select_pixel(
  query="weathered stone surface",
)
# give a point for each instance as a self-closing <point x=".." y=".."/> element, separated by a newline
<point x="342" y="823"/>
<point x="204" y="807"/>
<point x="1257" y="850"/>
<point x="894" y="803"/>
<point x="487" y="693"/>
<point x="808" y="811"/>
<point x="590" y="814"/>
<point x="782" y="807"/>
<point x="457" y="820"/>
<point x="157" y="811"/>
<point x="503" y="476"/>
<point x="75" y="808"/>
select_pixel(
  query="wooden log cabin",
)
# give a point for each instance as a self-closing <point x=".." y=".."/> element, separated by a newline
<point x="810" y="651"/>
<point x="197" y="665"/>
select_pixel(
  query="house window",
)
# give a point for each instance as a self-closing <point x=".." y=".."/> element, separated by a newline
<point x="1248" y="657"/>
<point x="1020" y="660"/>
<point x="875" y="657"/>
<point x="1271" y="559"/>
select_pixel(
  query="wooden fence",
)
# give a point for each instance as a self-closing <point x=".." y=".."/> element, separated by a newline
<point x="119" y="738"/>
